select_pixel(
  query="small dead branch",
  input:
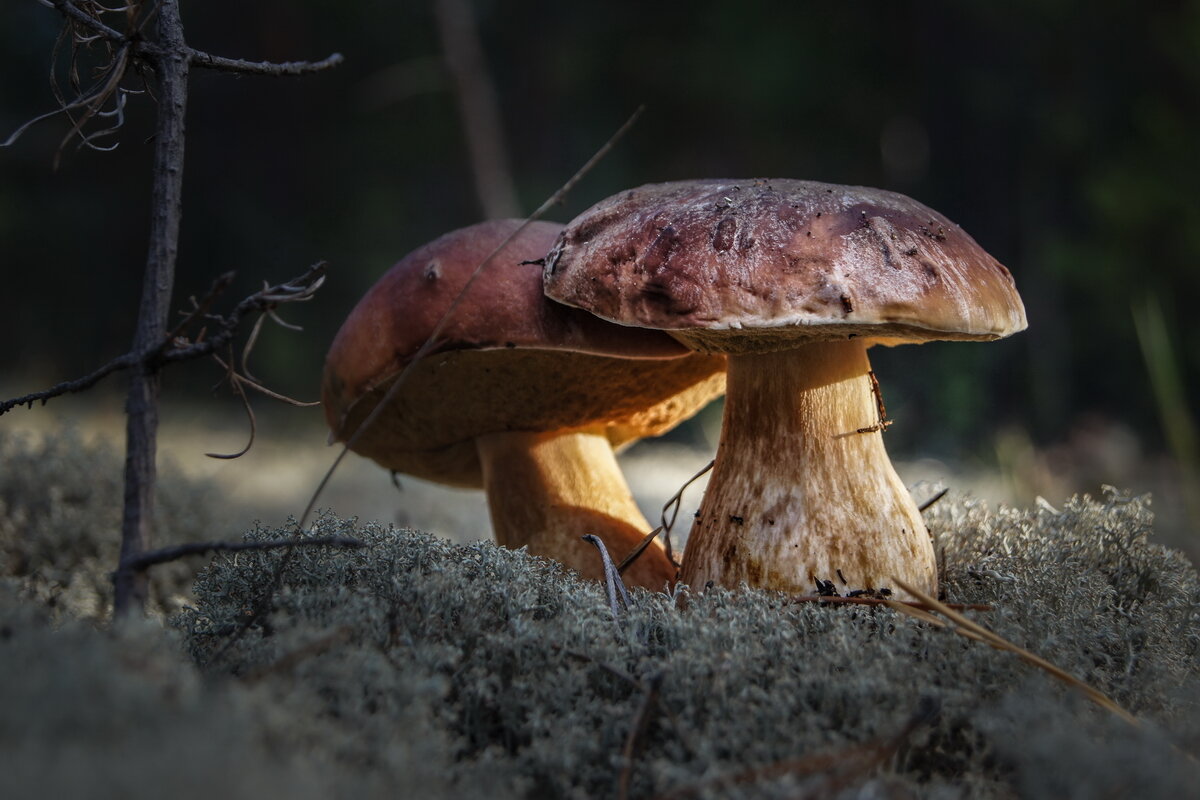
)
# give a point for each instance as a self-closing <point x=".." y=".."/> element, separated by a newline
<point x="929" y="503"/>
<point x="665" y="528"/>
<point x="163" y="555"/>
<point x="174" y="348"/>
<point x="68" y="387"/>
<point x="128" y="50"/>
<point x="204" y="60"/>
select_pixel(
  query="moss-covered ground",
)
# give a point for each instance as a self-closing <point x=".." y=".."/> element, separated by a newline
<point x="415" y="667"/>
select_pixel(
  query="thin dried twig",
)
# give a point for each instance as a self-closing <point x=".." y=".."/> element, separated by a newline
<point x="929" y="503"/>
<point x="965" y="626"/>
<point x="85" y="27"/>
<point x="68" y="387"/>
<point x="235" y="384"/>
<point x="199" y="58"/>
<point x="665" y="528"/>
<point x="171" y="349"/>
<point x="163" y="555"/>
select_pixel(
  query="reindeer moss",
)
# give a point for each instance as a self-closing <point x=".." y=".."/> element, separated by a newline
<point x="534" y="689"/>
<point x="413" y="667"/>
<point x="60" y="523"/>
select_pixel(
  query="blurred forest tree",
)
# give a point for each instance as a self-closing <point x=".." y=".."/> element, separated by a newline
<point x="1061" y="134"/>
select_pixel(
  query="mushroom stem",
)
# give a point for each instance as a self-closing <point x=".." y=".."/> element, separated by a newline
<point x="547" y="490"/>
<point x="797" y="493"/>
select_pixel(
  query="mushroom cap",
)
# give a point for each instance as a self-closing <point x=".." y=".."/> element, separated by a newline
<point x="508" y="359"/>
<point x="755" y="266"/>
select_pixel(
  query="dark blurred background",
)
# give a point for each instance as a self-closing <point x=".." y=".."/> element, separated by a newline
<point x="1062" y="135"/>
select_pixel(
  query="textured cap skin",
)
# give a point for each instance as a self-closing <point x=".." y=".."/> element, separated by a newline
<point x="508" y="360"/>
<point x="745" y="266"/>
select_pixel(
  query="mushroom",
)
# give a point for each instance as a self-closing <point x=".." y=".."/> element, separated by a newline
<point x="521" y="396"/>
<point x="794" y="280"/>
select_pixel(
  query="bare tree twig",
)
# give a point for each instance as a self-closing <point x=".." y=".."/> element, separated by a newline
<point x="168" y="350"/>
<point x="75" y="14"/>
<point x="68" y="387"/>
<point x="163" y="555"/>
<point x="297" y="290"/>
<point x="929" y="503"/>
<point x="665" y="528"/>
<point x="199" y="58"/>
<point x="201" y="308"/>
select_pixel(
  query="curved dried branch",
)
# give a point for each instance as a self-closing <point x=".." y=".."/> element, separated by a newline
<point x="235" y="384"/>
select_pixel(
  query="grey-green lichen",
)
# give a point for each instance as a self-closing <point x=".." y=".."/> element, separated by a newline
<point x="60" y="523"/>
<point x="414" y="667"/>
<point x="535" y="689"/>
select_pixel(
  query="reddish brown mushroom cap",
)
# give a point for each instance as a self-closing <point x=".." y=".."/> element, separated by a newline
<point x="781" y="258"/>
<point x="508" y="359"/>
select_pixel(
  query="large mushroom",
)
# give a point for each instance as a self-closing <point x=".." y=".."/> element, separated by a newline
<point x="521" y="396"/>
<point x="794" y="280"/>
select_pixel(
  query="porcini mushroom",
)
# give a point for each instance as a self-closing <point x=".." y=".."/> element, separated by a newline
<point x="521" y="396"/>
<point x="794" y="280"/>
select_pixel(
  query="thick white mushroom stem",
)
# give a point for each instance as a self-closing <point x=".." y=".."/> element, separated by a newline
<point x="802" y="489"/>
<point x="546" y="490"/>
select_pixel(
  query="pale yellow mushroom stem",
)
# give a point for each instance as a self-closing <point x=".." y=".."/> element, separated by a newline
<point x="546" y="490"/>
<point x="802" y="489"/>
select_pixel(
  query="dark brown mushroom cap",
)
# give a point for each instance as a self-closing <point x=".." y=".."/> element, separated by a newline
<point x="743" y="266"/>
<point x="508" y="359"/>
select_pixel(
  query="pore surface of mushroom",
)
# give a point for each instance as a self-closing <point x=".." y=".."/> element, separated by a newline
<point x="793" y="280"/>
<point x="521" y="396"/>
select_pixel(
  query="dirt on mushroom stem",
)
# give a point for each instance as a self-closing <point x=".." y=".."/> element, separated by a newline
<point x="803" y="490"/>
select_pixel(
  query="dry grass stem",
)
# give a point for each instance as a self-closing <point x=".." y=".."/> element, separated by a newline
<point x="966" y="627"/>
<point x="618" y="595"/>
